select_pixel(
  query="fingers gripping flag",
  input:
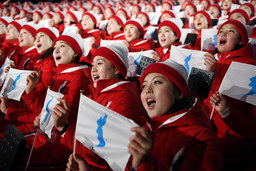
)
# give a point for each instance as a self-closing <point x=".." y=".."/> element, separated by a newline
<point x="188" y="58"/>
<point x="104" y="131"/>
<point x="15" y="84"/>
<point x="244" y="88"/>
<point x="46" y="119"/>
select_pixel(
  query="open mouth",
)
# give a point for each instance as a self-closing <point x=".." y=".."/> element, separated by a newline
<point x="38" y="45"/>
<point x="222" y="42"/>
<point x="199" y="24"/>
<point x="58" y="58"/>
<point x="150" y="102"/>
<point x="96" y="77"/>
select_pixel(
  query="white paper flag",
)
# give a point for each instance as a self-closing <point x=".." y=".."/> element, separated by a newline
<point x="109" y="42"/>
<point x="188" y="58"/>
<point x="105" y="132"/>
<point x="184" y="33"/>
<point x="87" y="47"/>
<point x="3" y="74"/>
<point x="154" y="17"/>
<point x="15" y="84"/>
<point x="134" y="60"/>
<point x="46" y="120"/>
<point x="209" y="39"/>
<point x="71" y="29"/>
<point x="149" y="34"/>
<point x="244" y="88"/>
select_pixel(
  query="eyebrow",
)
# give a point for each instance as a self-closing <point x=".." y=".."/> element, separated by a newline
<point x="158" y="76"/>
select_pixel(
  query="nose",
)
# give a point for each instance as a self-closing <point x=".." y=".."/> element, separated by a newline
<point x="148" y="89"/>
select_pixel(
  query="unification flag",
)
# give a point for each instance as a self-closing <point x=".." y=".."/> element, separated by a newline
<point x="46" y="119"/>
<point x="15" y="84"/>
<point x="244" y="88"/>
<point x="3" y="74"/>
<point x="105" y="132"/>
<point x="209" y="39"/>
<point x="134" y="61"/>
<point x="188" y="58"/>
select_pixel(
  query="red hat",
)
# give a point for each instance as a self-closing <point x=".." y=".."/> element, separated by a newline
<point x="17" y="24"/>
<point x="100" y="7"/>
<point x="32" y="28"/>
<point x="92" y="15"/>
<point x="117" y="54"/>
<point x="206" y="1"/>
<point x="111" y="9"/>
<point x="176" y="72"/>
<point x="125" y="12"/>
<point x="120" y="20"/>
<point x="6" y="20"/>
<point x="240" y="27"/>
<point x="250" y="6"/>
<point x="40" y="13"/>
<point x="146" y="15"/>
<point x="74" y="40"/>
<point x="136" y="5"/>
<point x="168" y="12"/>
<point x="188" y="3"/>
<point x="208" y="17"/>
<point x="243" y="12"/>
<point x="49" y="14"/>
<point x="215" y="5"/>
<point x="168" y="3"/>
<point x="61" y="14"/>
<point x="152" y="5"/>
<point x="137" y="23"/>
<point x="52" y="32"/>
<point x="17" y="8"/>
<point x="175" y="24"/>
<point x="82" y="7"/>
<point x="76" y="15"/>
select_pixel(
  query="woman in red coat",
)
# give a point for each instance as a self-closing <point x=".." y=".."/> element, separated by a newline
<point x="179" y="136"/>
<point x="115" y="28"/>
<point x="133" y="32"/>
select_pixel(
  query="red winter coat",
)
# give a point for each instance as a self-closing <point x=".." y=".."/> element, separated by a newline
<point x="119" y="35"/>
<point x="70" y="79"/>
<point x="28" y="55"/>
<point x="140" y="45"/>
<point x="125" y="100"/>
<point x="184" y="141"/>
<point x="97" y="34"/>
<point x="12" y="50"/>
<point x="165" y="55"/>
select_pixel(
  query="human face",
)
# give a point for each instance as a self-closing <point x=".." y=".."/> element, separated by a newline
<point x="247" y="8"/>
<point x="158" y="94"/>
<point x="46" y="17"/>
<point x="113" y="26"/>
<point x="226" y="4"/>
<point x="165" y="17"/>
<point x="96" y="10"/>
<point x="120" y="13"/>
<point x="12" y="32"/>
<point x="63" y="53"/>
<point x="22" y="14"/>
<point x="215" y="13"/>
<point x="87" y="22"/>
<point x="166" y="37"/>
<point x="36" y="18"/>
<point x="228" y="38"/>
<point x="102" y="69"/>
<point x="131" y="32"/>
<point x="67" y="20"/>
<point x="57" y="18"/>
<point x="108" y="13"/>
<point x="189" y="10"/>
<point x="143" y="19"/>
<point x="3" y="28"/>
<point x="239" y="17"/>
<point x="26" y="39"/>
<point x="204" y="5"/>
<point x="43" y="42"/>
<point x="200" y="22"/>
<point x="14" y="12"/>
<point x="135" y="10"/>
<point x="149" y="9"/>
<point x="165" y="7"/>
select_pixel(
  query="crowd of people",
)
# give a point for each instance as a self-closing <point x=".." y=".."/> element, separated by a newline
<point x="175" y="129"/>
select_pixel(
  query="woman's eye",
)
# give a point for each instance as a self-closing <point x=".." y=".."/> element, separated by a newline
<point x="143" y="86"/>
<point x="231" y="31"/>
<point x="62" y="46"/>
<point x="157" y="82"/>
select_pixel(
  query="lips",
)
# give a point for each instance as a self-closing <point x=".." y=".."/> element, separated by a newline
<point x="151" y="103"/>
<point x="38" y="45"/>
<point x="58" y="58"/>
<point x="223" y="41"/>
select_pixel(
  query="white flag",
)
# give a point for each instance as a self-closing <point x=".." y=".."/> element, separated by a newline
<point x="105" y="132"/>
<point x="244" y="88"/>
<point x="110" y="42"/>
<point x="15" y="84"/>
<point x="71" y="29"/>
<point x="46" y="120"/>
<point x="2" y="69"/>
<point x="134" y="60"/>
<point x="154" y="17"/>
<point x="184" y="33"/>
<point x="87" y="47"/>
<point x="188" y="58"/>
<point x="209" y="39"/>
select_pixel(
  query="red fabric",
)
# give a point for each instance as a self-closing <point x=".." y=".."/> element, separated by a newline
<point x="193" y="133"/>
<point x="8" y="47"/>
<point x="140" y="45"/>
<point x="27" y="57"/>
<point x="97" y="34"/>
<point x="166" y="55"/>
<point x="237" y="130"/>
<point x="115" y="36"/>
<point x="125" y="100"/>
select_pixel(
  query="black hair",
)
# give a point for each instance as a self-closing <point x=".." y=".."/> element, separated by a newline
<point x="48" y="53"/>
<point x="59" y="23"/>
